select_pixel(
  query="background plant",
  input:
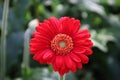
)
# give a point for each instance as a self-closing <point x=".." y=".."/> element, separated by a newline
<point x="102" y="17"/>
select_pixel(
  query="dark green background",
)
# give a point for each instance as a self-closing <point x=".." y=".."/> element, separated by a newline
<point x="102" y="17"/>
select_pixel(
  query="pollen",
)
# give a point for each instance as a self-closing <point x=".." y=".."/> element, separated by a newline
<point x="62" y="44"/>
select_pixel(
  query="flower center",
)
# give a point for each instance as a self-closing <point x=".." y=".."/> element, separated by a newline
<point x="62" y="44"/>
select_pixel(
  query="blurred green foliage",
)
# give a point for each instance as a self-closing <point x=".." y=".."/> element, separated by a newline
<point x="102" y="17"/>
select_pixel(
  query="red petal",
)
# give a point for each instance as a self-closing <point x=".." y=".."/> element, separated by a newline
<point x="76" y="26"/>
<point x="85" y="43"/>
<point x="70" y="64"/>
<point x="84" y="58"/>
<point x="64" y="25"/>
<point x="79" y="50"/>
<point x="88" y="52"/>
<point x="79" y="65"/>
<point x="35" y="33"/>
<point x="59" y="61"/>
<point x="88" y="43"/>
<point x="54" y="65"/>
<point x="63" y="69"/>
<point x="55" y="23"/>
<point x="39" y="41"/>
<point x="34" y="40"/>
<point x="75" y="57"/>
<point x="38" y="57"/>
<point x="83" y="34"/>
<point x="82" y="50"/>
<point x="50" y="61"/>
<point x="37" y="45"/>
<point x="48" y="55"/>
<point x="69" y="26"/>
<point x="45" y="29"/>
<point x="42" y="37"/>
<point x="33" y="51"/>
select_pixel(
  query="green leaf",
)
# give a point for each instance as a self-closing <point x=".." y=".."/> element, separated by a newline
<point x="43" y="74"/>
<point x="88" y="76"/>
<point x="101" y="38"/>
<point x="70" y="76"/>
<point x="14" y="44"/>
<point x="117" y="3"/>
<point x="100" y="46"/>
<point x="92" y="6"/>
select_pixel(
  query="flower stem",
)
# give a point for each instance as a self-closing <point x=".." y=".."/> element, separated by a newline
<point x="3" y="39"/>
<point x="25" y="64"/>
<point x="62" y="77"/>
<point x="26" y="55"/>
<point x="26" y="48"/>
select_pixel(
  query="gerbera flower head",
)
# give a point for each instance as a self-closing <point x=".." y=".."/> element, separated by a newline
<point x="61" y="43"/>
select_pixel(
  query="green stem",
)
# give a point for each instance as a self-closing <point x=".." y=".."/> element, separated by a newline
<point x="25" y="65"/>
<point x="62" y="77"/>
<point x="26" y="48"/>
<point x="3" y="39"/>
<point x="26" y="54"/>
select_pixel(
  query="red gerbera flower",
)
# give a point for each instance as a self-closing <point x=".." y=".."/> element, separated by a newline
<point x="60" y="43"/>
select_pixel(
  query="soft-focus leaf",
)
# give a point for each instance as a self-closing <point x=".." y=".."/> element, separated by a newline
<point x="43" y="74"/>
<point x="94" y="7"/>
<point x="117" y="3"/>
<point x="14" y="44"/>
<point x="102" y="17"/>
<point x="100" y="46"/>
<point x="101" y="38"/>
<point x="70" y="76"/>
<point x="88" y="76"/>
